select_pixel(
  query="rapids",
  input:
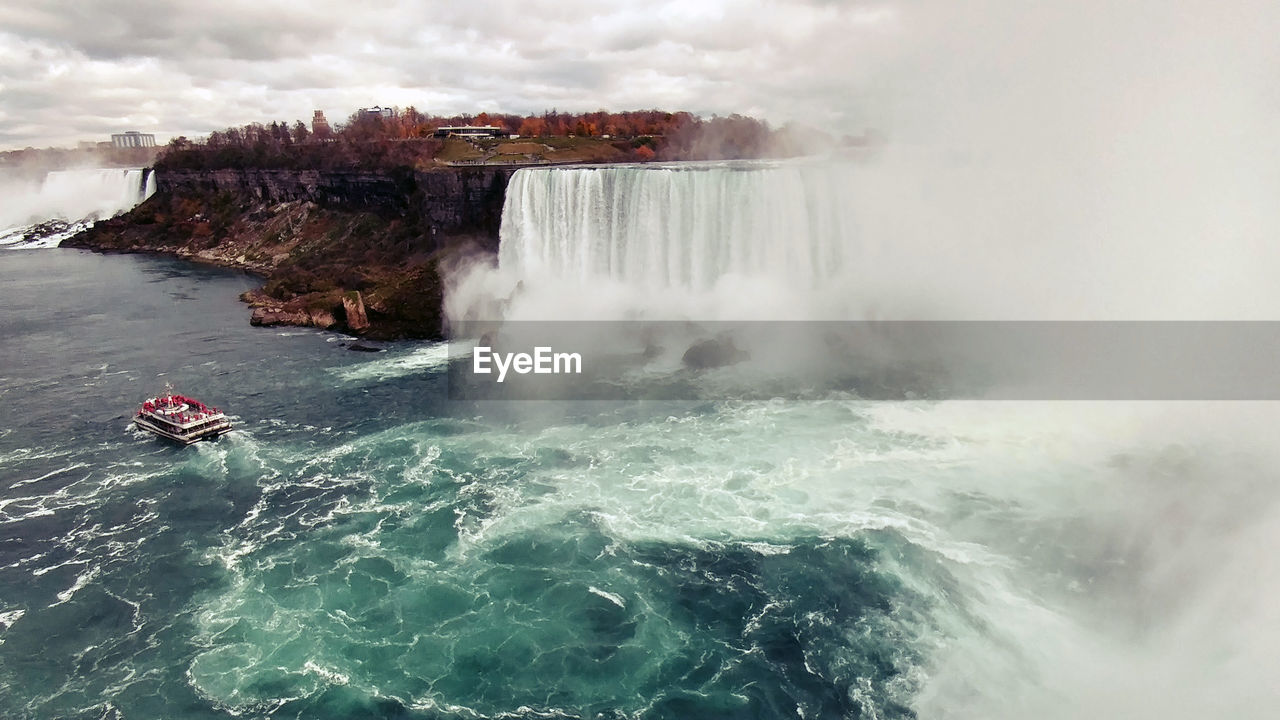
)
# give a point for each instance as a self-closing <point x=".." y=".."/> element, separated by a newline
<point x="363" y="546"/>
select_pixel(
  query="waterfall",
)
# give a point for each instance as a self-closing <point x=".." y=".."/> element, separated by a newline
<point x="42" y="213"/>
<point x="911" y="233"/>
<point x="78" y="194"/>
<point x="683" y="226"/>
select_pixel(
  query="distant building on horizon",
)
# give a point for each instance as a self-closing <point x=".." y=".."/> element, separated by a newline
<point x="133" y="139"/>
<point x="377" y="111"/>
<point x="320" y="126"/>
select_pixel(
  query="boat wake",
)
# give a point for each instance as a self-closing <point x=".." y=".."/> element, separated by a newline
<point x="397" y="362"/>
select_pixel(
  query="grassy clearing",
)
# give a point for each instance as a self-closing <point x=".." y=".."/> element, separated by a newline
<point x="455" y="150"/>
<point x="517" y="148"/>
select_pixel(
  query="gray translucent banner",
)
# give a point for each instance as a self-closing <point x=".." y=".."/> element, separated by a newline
<point x="1209" y="360"/>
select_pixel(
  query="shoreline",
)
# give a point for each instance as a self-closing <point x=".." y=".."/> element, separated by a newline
<point x="357" y="253"/>
<point x="257" y="271"/>
<point x="328" y="311"/>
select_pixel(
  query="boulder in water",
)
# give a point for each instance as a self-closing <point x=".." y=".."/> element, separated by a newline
<point x="362" y="347"/>
<point x="713" y="353"/>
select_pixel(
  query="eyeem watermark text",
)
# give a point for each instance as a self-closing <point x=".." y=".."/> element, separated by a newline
<point x="543" y="361"/>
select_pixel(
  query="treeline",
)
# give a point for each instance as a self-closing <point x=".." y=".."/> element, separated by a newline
<point x="294" y="147"/>
<point x="405" y="139"/>
<point x="410" y="123"/>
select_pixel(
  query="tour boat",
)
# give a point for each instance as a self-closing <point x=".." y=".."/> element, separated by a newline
<point x="181" y="419"/>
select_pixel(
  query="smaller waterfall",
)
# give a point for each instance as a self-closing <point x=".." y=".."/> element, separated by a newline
<point x="79" y="194"/>
<point x="43" y="213"/>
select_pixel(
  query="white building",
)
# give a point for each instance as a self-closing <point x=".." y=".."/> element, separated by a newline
<point x="133" y="139"/>
<point x="385" y="113"/>
<point x="470" y="131"/>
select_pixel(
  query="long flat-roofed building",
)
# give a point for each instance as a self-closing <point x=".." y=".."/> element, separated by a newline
<point x="133" y="139"/>
<point x="470" y="131"/>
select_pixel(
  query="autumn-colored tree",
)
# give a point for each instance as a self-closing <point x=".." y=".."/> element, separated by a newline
<point x="532" y="127"/>
<point x="404" y="139"/>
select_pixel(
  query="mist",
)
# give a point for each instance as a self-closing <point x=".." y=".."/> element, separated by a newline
<point x="1096" y="160"/>
<point x="72" y="195"/>
<point x="1134" y="580"/>
<point x="1104" y="161"/>
<point x="1084" y="161"/>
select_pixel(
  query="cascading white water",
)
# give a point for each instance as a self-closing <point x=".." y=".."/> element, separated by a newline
<point x="910" y="234"/>
<point x="70" y="196"/>
<point x="678" y="226"/>
<point x="1085" y="578"/>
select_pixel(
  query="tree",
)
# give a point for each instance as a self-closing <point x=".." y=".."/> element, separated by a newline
<point x="532" y="127"/>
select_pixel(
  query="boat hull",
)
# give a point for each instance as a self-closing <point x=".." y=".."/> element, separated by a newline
<point x="208" y="432"/>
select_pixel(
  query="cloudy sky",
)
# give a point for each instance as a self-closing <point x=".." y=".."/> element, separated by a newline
<point x="73" y="70"/>
<point x="1051" y="71"/>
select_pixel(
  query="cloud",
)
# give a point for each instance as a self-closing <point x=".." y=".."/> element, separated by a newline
<point x="72" y="70"/>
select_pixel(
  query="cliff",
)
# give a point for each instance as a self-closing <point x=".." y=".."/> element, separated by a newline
<point x="352" y="250"/>
<point x="445" y="202"/>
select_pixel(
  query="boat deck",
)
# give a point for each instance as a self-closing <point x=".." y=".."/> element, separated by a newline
<point x="181" y="419"/>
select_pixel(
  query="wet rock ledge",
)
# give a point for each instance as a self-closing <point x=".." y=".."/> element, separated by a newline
<point x="361" y="252"/>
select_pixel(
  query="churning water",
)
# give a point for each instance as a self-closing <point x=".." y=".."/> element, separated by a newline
<point x="362" y="546"/>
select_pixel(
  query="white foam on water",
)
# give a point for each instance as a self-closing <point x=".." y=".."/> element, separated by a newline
<point x="1043" y="514"/>
<point x="330" y="676"/>
<point x="611" y="597"/>
<point x="1070" y="527"/>
<point x="395" y="363"/>
<point x="51" y="473"/>
<point x="34" y="237"/>
<point x="9" y="617"/>
<point x="81" y="581"/>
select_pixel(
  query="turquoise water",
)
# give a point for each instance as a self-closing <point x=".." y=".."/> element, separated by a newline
<point x="361" y="546"/>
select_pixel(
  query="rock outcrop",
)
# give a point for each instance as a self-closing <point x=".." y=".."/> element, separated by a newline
<point x="324" y="319"/>
<point x="353" y="309"/>
<point x="278" y="316"/>
<point x="445" y="202"/>
<point x="339" y="188"/>
<point x="357" y="251"/>
<point x="713" y="353"/>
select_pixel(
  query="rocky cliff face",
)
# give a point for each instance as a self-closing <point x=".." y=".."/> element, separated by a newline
<point x="445" y="203"/>
<point x="342" y="188"/>
<point x="357" y="251"/>
<point x="464" y="201"/>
